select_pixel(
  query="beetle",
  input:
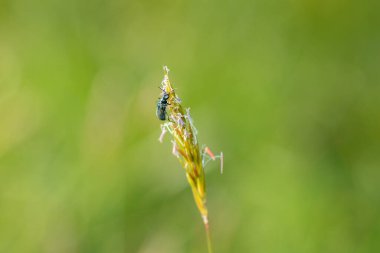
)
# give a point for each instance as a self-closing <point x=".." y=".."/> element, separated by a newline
<point x="161" y="106"/>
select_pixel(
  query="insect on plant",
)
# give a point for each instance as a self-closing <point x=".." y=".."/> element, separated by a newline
<point x="180" y="126"/>
<point x="161" y="105"/>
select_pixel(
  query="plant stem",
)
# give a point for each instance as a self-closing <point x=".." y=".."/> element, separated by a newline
<point x="208" y="235"/>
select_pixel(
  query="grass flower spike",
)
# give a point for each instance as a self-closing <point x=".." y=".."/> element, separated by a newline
<point x="185" y="145"/>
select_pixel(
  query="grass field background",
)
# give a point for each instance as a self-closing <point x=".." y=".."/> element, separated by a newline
<point x="288" y="90"/>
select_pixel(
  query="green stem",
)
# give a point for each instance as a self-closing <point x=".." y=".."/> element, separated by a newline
<point x="208" y="235"/>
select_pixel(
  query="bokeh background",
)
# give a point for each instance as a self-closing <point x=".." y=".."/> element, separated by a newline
<point x="288" y="90"/>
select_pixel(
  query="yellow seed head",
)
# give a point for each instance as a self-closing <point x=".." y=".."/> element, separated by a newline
<point x="185" y="144"/>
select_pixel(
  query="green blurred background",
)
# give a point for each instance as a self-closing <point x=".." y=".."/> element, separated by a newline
<point x="288" y="90"/>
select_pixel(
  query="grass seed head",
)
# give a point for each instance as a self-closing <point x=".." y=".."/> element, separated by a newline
<point x="185" y="144"/>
